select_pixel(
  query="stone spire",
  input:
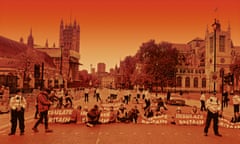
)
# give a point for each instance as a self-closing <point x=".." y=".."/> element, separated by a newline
<point x="30" y="41"/>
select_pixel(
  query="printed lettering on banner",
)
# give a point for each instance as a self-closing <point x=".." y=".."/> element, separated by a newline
<point x="189" y="119"/>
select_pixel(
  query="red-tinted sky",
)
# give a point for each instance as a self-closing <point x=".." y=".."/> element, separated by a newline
<point x="113" y="29"/>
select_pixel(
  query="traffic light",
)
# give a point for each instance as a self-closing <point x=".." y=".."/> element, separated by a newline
<point x="226" y="79"/>
<point x="229" y="79"/>
<point x="36" y="71"/>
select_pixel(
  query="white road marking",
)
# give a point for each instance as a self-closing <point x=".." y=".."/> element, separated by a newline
<point x="149" y="133"/>
<point x="98" y="138"/>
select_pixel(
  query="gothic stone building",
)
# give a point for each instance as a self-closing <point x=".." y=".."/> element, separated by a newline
<point x="66" y="57"/>
<point x="56" y="66"/>
<point x="202" y="61"/>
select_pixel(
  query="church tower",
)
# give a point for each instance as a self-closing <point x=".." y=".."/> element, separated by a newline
<point x="218" y="54"/>
<point x="69" y="42"/>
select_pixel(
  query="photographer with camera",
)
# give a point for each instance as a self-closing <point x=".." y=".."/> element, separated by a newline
<point x="17" y="105"/>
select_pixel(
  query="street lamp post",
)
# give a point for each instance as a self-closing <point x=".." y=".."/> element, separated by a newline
<point x="214" y="25"/>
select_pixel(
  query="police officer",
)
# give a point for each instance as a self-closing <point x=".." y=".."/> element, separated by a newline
<point x="236" y="103"/>
<point x="213" y="111"/>
<point x="17" y="105"/>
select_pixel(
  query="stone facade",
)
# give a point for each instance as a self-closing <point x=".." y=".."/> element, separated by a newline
<point x="197" y="70"/>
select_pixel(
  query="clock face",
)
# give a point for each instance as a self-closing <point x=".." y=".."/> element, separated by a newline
<point x="222" y="60"/>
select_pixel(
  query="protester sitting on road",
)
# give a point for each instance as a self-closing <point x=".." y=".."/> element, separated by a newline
<point x="60" y="94"/>
<point x="148" y="113"/>
<point x="161" y="112"/>
<point x="53" y="98"/>
<point x="133" y="114"/>
<point x="160" y="103"/>
<point x="194" y="110"/>
<point x="122" y="114"/>
<point x="75" y="117"/>
<point x="68" y="99"/>
<point x="93" y="116"/>
<point x="113" y="115"/>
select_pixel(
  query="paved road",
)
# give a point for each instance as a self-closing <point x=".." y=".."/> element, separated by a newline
<point x="119" y="133"/>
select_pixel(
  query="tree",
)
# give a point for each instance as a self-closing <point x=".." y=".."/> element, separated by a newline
<point x="159" y="62"/>
<point x="127" y="68"/>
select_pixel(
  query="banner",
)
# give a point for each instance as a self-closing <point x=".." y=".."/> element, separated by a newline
<point x="189" y="119"/>
<point x="227" y="124"/>
<point x="60" y="115"/>
<point x="155" y="120"/>
<point x="107" y="106"/>
<point x="104" y="117"/>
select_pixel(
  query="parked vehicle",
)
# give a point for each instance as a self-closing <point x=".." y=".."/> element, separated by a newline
<point x="176" y="100"/>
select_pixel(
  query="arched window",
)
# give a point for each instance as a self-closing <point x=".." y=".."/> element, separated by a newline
<point x="195" y="82"/>
<point x="204" y="83"/>
<point x="187" y="82"/>
<point x="179" y="81"/>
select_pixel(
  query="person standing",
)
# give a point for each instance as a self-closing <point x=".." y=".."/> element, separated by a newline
<point x="126" y="97"/>
<point x="213" y="109"/>
<point x="236" y="102"/>
<point x="225" y="98"/>
<point x="43" y="107"/>
<point x="98" y="98"/>
<point x="168" y="95"/>
<point x="36" y="109"/>
<point x="202" y="100"/>
<point x="17" y="105"/>
<point x="86" y="93"/>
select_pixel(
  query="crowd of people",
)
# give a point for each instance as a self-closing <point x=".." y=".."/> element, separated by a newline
<point x="143" y="104"/>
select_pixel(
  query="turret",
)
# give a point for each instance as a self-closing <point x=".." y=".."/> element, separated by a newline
<point x="30" y="41"/>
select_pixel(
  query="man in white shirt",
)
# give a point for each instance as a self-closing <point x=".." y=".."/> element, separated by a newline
<point x="213" y="109"/>
<point x="17" y="105"/>
<point x="236" y="102"/>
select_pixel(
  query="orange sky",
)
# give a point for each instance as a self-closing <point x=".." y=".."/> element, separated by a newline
<point x="113" y="29"/>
